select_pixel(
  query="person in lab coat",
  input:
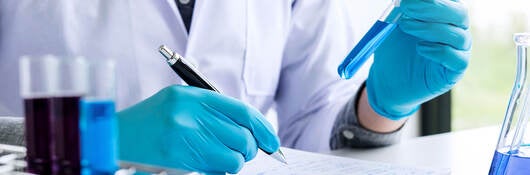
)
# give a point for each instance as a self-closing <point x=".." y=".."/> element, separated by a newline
<point x="279" y="54"/>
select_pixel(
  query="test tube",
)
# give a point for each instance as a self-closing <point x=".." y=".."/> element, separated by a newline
<point x="371" y="40"/>
<point x="98" y="122"/>
<point x="51" y="88"/>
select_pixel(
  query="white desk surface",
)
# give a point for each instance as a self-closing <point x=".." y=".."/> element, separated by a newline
<point x="464" y="152"/>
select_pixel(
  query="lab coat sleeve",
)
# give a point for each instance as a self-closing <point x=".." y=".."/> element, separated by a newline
<point x="310" y="93"/>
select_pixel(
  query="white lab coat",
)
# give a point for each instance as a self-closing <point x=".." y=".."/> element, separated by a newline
<point x="273" y="53"/>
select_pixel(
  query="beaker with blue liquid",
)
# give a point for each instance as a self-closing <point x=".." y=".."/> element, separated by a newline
<point x="97" y="122"/>
<point x="371" y="40"/>
<point x="512" y="154"/>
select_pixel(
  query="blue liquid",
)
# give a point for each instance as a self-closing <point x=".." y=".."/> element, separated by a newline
<point x="365" y="48"/>
<point x="99" y="137"/>
<point x="507" y="164"/>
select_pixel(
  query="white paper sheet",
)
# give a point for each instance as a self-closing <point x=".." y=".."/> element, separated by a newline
<point x="302" y="163"/>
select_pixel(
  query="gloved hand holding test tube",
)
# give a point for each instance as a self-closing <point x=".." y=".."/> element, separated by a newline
<point x="421" y="50"/>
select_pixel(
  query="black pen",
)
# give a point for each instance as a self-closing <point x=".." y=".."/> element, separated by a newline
<point x="193" y="77"/>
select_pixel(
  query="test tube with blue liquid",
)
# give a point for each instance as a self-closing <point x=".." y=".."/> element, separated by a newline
<point x="512" y="155"/>
<point x="371" y="40"/>
<point x="98" y="124"/>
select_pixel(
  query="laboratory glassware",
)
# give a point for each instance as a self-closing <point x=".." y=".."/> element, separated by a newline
<point x="51" y="88"/>
<point x="512" y="154"/>
<point x="377" y="34"/>
<point x="98" y="121"/>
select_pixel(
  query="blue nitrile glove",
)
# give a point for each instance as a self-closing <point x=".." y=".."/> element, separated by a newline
<point x="193" y="129"/>
<point x="423" y="58"/>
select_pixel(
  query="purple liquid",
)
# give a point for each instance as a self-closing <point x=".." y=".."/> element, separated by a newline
<point x="66" y="134"/>
<point x="365" y="48"/>
<point x="38" y="116"/>
<point x="507" y="164"/>
<point x="52" y="135"/>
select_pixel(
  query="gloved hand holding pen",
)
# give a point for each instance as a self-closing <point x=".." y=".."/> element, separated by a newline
<point x="193" y="129"/>
<point x="423" y="58"/>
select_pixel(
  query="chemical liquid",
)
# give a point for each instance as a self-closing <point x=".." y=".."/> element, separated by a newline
<point x="506" y="164"/>
<point x="52" y="135"/>
<point x="38" y="115"/>
<point x="99" y="137"/>
<point x="66" y="135"/>
<point x="365" y="48"/>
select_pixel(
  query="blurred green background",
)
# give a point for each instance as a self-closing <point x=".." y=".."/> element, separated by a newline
<point x="480" y="99"/>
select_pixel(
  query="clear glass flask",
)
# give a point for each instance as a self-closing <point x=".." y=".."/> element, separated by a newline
<point x="371" y="40"/>
<point x="512" y="154"/>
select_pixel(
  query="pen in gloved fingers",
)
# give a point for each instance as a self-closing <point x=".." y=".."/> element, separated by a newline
<point x="192" y="77"/>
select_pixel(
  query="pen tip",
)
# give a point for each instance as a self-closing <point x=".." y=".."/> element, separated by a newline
<point x="278" y="155"/>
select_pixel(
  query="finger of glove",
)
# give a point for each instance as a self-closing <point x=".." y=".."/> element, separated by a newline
<point x="231" y="134"/>
<point x="450" y="58"/>
<point x="199" y="149"/>
<point x="437" y="11"/>
<point x="245" y="116"/>
<point x="214" y="173"/>
<point x="437" y="32"/>
<point x="223" y="160"/>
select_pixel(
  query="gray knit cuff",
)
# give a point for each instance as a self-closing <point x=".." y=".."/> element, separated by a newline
<point x="12" y="131"/>
<point x="347" y="132"/>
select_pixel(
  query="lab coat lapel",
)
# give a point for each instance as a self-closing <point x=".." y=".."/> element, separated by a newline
<point x="217" y="41"/>
<point x="180" y="31"/>
<point x="218" y="27"/>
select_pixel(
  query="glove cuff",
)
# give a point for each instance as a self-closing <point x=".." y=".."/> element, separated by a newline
<point x="392" y="114"/>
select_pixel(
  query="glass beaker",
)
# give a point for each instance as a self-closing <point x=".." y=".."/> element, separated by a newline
<point x="512" y="154"/>
<point x="52" y="88"/>
<point x="98" y="121"/>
